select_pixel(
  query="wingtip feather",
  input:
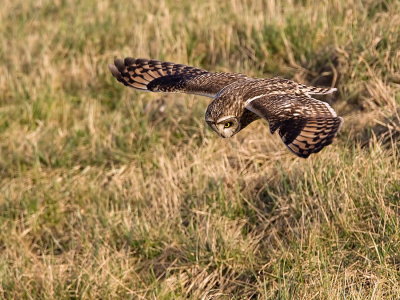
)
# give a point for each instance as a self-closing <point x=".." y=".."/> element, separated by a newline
<point x="120" y="65"/>
<point x="114" y="71"/>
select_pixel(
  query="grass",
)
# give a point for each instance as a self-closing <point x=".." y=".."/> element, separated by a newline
<point x="104" y="194"/>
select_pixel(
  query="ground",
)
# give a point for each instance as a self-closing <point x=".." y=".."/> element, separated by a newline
<point x="106" y="192"/>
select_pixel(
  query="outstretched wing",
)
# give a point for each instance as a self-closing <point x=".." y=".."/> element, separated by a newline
<point x="306" y="125"/>
<point x="158" y="76"/>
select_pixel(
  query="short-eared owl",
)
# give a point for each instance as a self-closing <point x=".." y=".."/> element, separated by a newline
<point x="305" y="124"/>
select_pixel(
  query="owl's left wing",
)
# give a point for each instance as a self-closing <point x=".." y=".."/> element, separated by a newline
<point x="306" y="125"/>
<point x="159" y="76"/>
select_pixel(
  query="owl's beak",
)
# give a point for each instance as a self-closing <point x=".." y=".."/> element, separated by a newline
<point x="226" y="136"/>
<point x="220" y="134"/>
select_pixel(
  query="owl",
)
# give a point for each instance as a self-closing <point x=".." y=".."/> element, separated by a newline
<point x="305" y="125"/>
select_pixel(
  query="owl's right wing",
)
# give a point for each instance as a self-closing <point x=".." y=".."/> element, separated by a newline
<point x="158" y="76"/>
<point x="306" y="125"/>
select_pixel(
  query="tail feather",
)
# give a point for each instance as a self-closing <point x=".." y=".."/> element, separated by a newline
<point x="312" y="90"/>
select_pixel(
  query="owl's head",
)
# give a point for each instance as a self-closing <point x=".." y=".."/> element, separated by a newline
<point x="225" y="126"/>
<point x="223" y="115"/>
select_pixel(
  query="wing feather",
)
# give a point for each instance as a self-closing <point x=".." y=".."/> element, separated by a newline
<point x="306" y="125"/>
<point x="158" y="76"/>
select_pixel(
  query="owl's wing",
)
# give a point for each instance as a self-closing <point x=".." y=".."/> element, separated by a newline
<point x="306" y="125"/>
<point x="158" y="76"/>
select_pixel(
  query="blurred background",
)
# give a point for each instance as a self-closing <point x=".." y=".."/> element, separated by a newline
<point x="106" y="192"/>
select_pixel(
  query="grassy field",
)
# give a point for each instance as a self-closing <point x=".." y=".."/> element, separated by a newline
<point x="110" y="193"/>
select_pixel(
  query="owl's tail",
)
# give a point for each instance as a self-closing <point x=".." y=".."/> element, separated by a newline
<point x="313" y="90"/>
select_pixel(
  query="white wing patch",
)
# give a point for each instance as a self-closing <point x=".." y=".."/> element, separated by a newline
<point x="248" y="101"/>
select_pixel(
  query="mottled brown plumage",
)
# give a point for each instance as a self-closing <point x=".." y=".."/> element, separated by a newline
<point x="157" y="76"/>
<point x="305" y="124"/>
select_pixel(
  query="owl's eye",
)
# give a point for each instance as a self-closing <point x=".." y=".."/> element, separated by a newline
<point x="228" y="124"/>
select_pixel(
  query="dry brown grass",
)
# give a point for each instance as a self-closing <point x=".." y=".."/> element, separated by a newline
<point x="103" y="195"/>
